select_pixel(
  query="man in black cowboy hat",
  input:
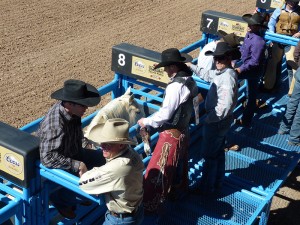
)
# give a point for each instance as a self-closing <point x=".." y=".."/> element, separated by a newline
<point x="172" y="120"/>
<point x="207" y="62"/>
<point x="220" y="102"/>
<point x="61" y="135"/>
<point x="251" y="68"/>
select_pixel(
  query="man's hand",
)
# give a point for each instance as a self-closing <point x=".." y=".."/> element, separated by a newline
<point x="296" y="35"/>
<point x="188" y="64"/>
<point x="140" y="122"/>
<point x="238" y="70"/>
<point x="82" y="168"/>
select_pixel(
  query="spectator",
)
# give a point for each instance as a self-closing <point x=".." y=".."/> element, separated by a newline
<point x="61" y="137"/>
<point x="291" y="121"/>
<point x="252" y="52"/>
<point x="285" y="21"/>
<point x="207" y="62"/>
<point x="170" y="157"/>
<point x="121" y="178"/>
<point x="219" y="104"/>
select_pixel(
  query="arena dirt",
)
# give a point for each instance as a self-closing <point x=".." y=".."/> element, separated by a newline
<point x="43" y="43"/>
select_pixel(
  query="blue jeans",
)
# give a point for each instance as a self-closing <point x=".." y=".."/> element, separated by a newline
<point x="214" y="135"/>
<point x="252" y="78"/>
<point x="131" y="220"/>
<point x="291" y="120"/>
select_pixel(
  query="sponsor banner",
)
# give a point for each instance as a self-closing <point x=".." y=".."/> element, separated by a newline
<point x="229" y="26"/>
<point x="145" y="68"/>
<point x="276" y="3"/>
<point x="11" y="163"/>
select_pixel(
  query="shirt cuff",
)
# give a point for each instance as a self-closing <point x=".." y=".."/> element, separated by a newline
<point x="193" y="67"/>
<point x="75" y="166"/>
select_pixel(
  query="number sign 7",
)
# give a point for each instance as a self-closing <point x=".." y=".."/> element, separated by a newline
<point x="209" y="22"/>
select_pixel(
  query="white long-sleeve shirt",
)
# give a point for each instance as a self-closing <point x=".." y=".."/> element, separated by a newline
<point x="175" y="94"/>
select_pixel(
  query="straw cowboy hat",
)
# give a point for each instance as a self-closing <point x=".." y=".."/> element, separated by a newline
<point x="255" y="19"/>
<point x="232" y="39"/>
<point x="224" y="49"/>
<point x="112" y="131"/>
<point x="173" y="56"/>
<point x="78" y="92"/>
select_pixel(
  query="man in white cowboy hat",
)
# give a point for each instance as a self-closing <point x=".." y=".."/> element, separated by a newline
<point x="61" y="135"/>
<point x="121" y="178"/>
<point x="172" y="121"/>
<point x="251" y="68"/>
<point x="286" y="21"/>
<point x="220" y="102"/>
<point x="207" y="62"/>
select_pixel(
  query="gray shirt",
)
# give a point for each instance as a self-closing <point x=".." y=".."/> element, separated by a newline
<point x="222" y="96"/>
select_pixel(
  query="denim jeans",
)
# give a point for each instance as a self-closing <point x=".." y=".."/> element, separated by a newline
<point x="291" y="120"/>
<point x="214" y="135"/>
<point x="132" y="220"/>
<point x="253" y="82"/>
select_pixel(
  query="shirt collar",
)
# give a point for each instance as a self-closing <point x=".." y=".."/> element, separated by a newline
<point x="218" y="72"/>
<point x="118" y="155"/>
<point x="64" y="112"/>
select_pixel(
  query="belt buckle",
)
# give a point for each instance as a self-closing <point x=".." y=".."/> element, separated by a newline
<point x="114" y="214"/>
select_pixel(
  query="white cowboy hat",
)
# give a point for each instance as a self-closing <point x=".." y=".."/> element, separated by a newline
<point x="112" y="131"/>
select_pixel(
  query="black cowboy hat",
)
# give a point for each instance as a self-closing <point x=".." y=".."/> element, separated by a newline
<point x="232" y="39"/>
<point x="78" y="92"/>
<point x="224" y="49"/>
<point x="255" y="19"/>
<point x="173" y="56"/>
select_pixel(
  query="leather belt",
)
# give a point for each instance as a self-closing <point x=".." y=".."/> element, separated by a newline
<point x="121" y="215"/>
<point x="176" y="133"/>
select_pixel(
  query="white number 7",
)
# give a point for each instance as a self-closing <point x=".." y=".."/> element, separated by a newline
<point x="209" y="22"/>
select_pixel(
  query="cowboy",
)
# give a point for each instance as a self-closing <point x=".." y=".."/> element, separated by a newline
<point x="252" y="52"/>
<point x="61" y="137"/>
<point x="121" y="178"/>
<point x="220" y="102"/>
<point x="172" y="121"/>
<point x="207" y="62"/>
<point x="285" y="20"/>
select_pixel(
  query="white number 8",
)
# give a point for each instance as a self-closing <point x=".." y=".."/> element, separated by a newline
<point x="121" y="60"/>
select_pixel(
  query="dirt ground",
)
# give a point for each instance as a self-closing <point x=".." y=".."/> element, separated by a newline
<point x="43" y="43"/>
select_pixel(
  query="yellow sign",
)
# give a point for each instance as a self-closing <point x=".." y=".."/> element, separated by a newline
<point x="11" y="163"/>
<point x="276" y="3"/>
<point x="230" y="26"/>
<point x="145" y="68"/>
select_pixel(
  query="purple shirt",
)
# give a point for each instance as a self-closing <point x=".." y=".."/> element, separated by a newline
<point x="252" y="52"/>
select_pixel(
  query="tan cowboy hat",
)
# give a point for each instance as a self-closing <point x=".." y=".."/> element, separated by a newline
<point x="78" y="92"/>
<point x="114" y="131"/>
<point x="232" y="39"/>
